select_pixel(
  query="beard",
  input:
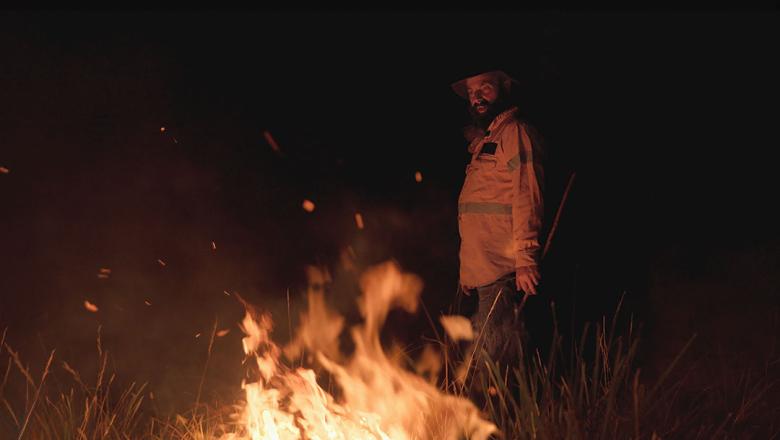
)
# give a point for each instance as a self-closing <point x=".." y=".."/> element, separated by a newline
<point x="482" y="120"/>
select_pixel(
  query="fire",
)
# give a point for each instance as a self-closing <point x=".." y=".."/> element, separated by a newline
<point x="377" y="400"/>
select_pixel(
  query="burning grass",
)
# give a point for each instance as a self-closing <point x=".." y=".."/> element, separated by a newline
<point x="596" y="389"/>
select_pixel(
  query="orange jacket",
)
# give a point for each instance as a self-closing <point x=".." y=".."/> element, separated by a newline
<point x="500" y="206"/>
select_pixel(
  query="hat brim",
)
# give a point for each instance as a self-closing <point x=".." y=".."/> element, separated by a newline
<point x="459" y="87"/>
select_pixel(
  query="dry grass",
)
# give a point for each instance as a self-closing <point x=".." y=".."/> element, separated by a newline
<point x="594" y="391"/>
<point x="33" y="409"/>
<point x="597" y="391"/>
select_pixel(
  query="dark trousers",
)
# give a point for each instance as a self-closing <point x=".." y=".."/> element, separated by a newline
<point x="504" y="334"/>
<point x="492" y="310"/>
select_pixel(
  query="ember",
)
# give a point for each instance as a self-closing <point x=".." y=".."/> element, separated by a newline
<point x="271" y="141"/>
<point x="89" y="306"/>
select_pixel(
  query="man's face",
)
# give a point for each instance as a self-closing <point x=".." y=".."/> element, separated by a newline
<point x="483" y="90"/>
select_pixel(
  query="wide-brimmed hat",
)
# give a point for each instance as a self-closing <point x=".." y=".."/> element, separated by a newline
<point x="459" y="86"/>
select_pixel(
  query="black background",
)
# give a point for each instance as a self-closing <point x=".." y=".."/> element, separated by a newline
<point x="668" y="120"/>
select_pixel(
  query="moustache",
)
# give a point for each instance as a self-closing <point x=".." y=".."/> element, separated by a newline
<point x="480" y="103"/>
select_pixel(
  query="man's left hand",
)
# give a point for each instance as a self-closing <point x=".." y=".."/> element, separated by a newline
<point x="527" y="278"/>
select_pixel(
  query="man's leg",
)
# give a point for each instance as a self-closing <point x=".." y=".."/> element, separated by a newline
<point x="497" y="332"/>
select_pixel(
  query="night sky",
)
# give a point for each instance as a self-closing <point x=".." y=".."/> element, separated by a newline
<point x="668" y="120"/>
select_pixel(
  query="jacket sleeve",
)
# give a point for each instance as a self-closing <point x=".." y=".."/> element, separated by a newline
<point x="524" y="153"/>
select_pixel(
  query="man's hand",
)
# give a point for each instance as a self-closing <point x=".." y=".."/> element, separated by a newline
<point x="527" y="278"/>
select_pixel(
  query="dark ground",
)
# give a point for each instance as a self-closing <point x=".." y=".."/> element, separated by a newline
<point x="667" y="119"/>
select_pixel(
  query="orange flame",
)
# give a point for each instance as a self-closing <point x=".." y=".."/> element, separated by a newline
<point x="379" y="399"/>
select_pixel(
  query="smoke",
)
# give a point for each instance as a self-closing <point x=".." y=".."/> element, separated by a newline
<point x="95" y="183"/>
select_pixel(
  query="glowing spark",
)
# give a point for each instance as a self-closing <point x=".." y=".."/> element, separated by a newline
<point x="271" y="141"/>
<point x="359" y="220"/>
<point x="213" y="246"/>
<point x="162" y="129"/>
<point x="89" y="306"/>
<point x="226" y="293"/>
<point x="197" y="335"/>
<point x="4" y="170"/>
<point x="147" y="302"/>
<point x="222" y="333"/>
<point x="105" y="270"/>
<point x="162" y="263"/>
<point x="308" y="205"/>
<point x="418" y="177"/>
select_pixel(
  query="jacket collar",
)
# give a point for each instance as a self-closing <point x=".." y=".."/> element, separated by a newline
<point x="498" y="120"/>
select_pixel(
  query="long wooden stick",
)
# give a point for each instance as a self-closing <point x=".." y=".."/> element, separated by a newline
<point x="558" y="214"/>
<point x="551" y="234"/>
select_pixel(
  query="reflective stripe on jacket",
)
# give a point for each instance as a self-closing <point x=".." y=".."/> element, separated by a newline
<point x="500" y="205"/>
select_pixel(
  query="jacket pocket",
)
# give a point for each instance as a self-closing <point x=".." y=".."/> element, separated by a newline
<point x="486" y="160"/>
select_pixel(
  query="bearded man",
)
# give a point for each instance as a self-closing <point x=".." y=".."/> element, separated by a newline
<point x="500" y="212"/>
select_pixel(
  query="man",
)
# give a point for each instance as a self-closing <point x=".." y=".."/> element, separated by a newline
<point x="499" y="215"/>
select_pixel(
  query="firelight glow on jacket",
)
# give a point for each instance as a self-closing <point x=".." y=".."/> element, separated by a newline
<point x="500" y="206"/>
